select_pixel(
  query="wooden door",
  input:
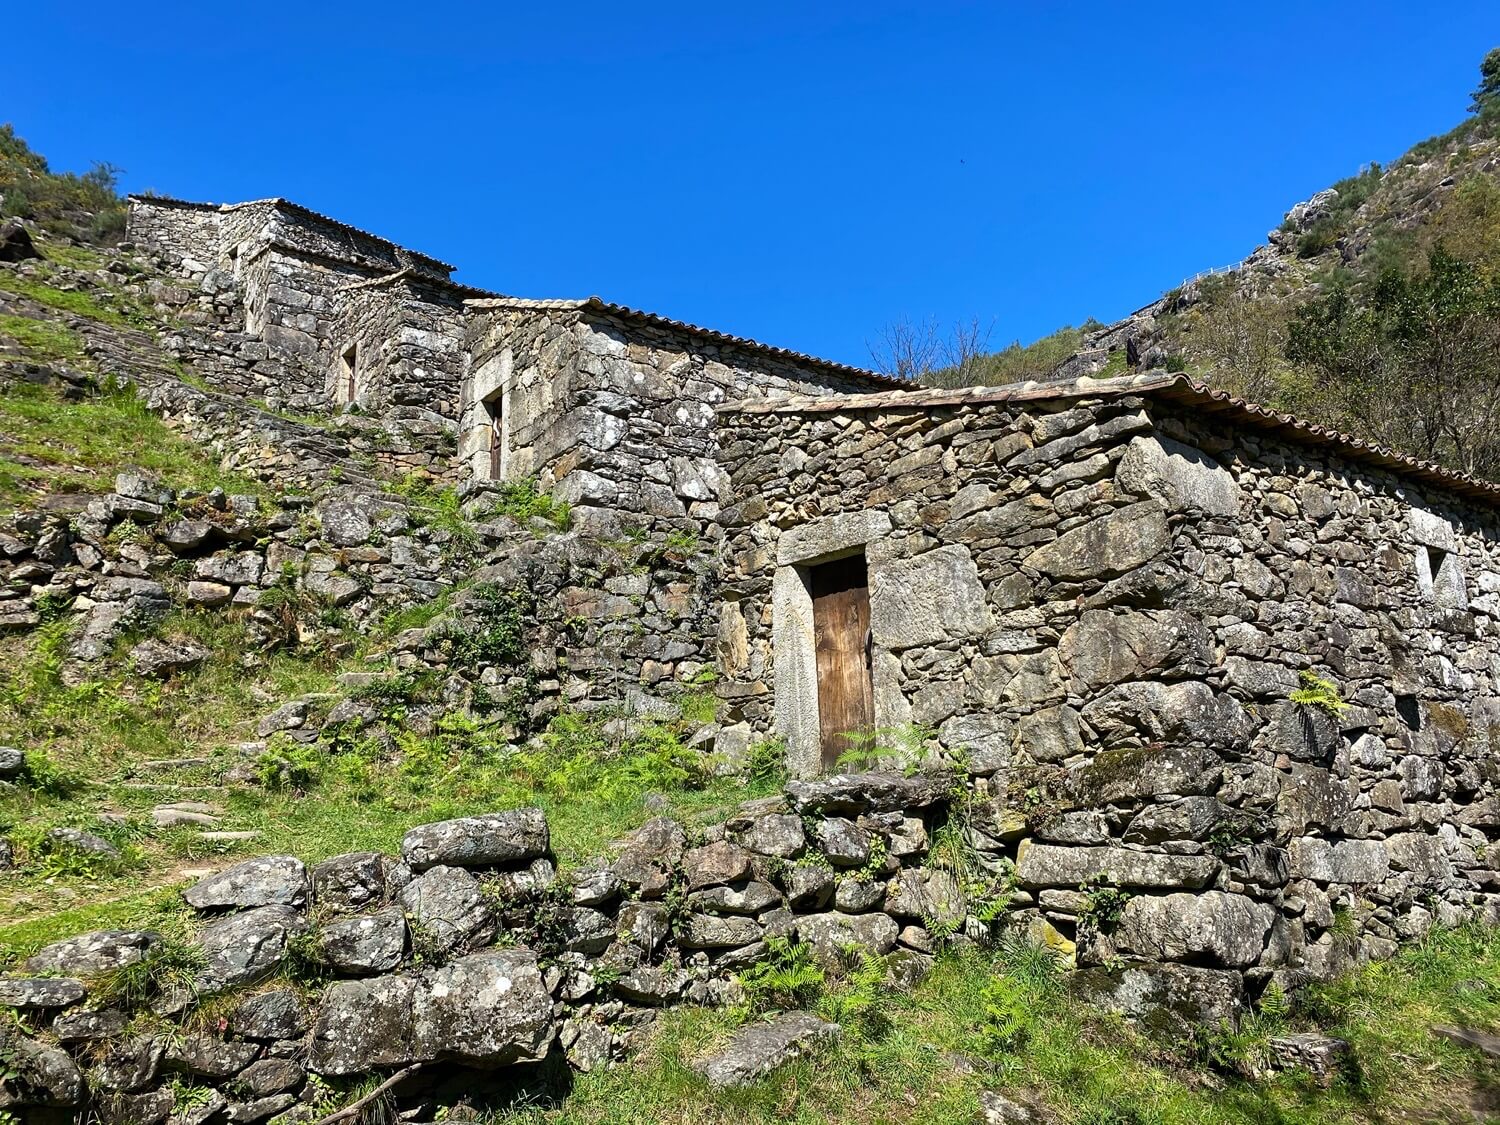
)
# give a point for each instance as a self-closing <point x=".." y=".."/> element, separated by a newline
<point x="841" y="632"/>
<point x="494" y="409"/>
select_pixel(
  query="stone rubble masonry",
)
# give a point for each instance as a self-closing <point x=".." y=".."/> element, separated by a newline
<point x="471" y="949"/>
<point x="1102" y="604"/>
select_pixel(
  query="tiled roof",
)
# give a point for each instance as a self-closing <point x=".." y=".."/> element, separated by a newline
<point x="623" y="312"/>
<point x="1158" y="384"/>
<point x="296" y="208"/>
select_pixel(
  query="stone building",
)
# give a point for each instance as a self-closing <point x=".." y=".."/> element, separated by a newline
<point x="1108" y="598"/>
<point x="1242" y="669"/>
<point x="345" y="317"/>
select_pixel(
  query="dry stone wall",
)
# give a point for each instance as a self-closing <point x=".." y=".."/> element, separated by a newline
<point x="1103" y="607"/>
<point x="471" y="950"/>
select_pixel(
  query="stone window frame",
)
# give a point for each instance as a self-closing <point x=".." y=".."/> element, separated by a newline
<point x="1439" y="565"/>
<point x="793" y="646"/>
<point x="493" y="381"/>
<point x="346" y="389"/>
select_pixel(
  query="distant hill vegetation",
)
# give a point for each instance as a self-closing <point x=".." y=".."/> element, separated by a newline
<point x="1374" y="307"/>
<point x="84" y="207"/>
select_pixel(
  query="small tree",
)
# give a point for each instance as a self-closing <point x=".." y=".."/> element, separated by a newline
<point x="1487" y="97"/>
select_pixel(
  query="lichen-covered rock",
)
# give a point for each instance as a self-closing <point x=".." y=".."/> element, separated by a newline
<point x="95" y="952"/>
<point x="209" y="1057"/>
<point x="714" y="931"/>
<point x="491" y="840"/>
<point x="272" y="1076"/>
<point x="779" y="835"/>
<point x="487" y="1009"/>
<point x="448" y="910"/>
<point x="845" y="843"/>
<point x="933" y="597"/>
<point x="809" y="886"/>
<point x="715" y="864"/>
<point x="1181" y="477"/>
<point x="157" y="659"/>
<point x="1106" y="546"/>
<point x="756" y="1050"/>
<point x="1227" y="929"/>
<point x="749" y="897"/>
<point x="40" y="992"/>
<point x="277" y="1013"/>
<point x="927" y="894"/>
<point x="84" y="1025"/>
<point x="272" y="880"/>
<point x="1173" y="1001"/>
<point x="877" y="792"/>
<point x="368" y="943"/>
<point x="649" y="855"/>
<point x="40" y="1075"/>
<point x="243" y="948"/>
<point x="358" y="880"/>
<point x="1048" y="865"/>
<point x="830" y="934"/>
<point x="363" y="1024"/>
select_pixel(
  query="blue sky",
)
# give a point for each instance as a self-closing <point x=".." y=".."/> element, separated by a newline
<point x="800" y="173"/>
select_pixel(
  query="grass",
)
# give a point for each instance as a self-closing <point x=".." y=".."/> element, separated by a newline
<point x="43" y="340"/>
<point x="87" y="740"/>
<point x="1003" y="1020"/>
<point x="50" y="445"/>
<point x="78" y="302"/>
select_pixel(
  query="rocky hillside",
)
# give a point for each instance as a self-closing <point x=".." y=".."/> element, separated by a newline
<point x="321" y="799"/>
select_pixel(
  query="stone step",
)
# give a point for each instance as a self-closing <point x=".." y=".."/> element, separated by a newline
<point x="168" y="765"/>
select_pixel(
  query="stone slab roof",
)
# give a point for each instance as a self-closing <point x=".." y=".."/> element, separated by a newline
<point x="466" y="292"/>
<point x="599" y="306"/>
<point x="1164" y="385"/>
<point x="294" y="208"/>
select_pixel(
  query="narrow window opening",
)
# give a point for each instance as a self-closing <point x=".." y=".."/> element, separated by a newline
<point x="494" y="414"/>
<point x="1440" y="578"/>
<point x="1410" y="711"/>
<point x="348" y="374"/>
<point x="841" y="636"/>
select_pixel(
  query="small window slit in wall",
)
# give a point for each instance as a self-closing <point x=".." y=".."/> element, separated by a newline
<point x="1410" y="711"/>
<point x="349" y="369"/>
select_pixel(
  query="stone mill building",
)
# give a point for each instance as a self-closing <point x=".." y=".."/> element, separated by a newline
<point x="1244" y="667"/>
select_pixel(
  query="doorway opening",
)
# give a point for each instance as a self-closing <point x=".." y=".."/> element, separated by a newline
<point x="348" y="374"/>
<point x="841" y="639"/>
<point x="494" y="415"/>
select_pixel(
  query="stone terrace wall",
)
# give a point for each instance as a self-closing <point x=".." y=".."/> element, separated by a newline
<point x="616" y="414"/>
<point x="1110" y="624"/>
<point x="469" y="953"/>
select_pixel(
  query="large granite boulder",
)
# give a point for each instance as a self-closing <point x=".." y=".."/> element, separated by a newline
<point x="243" y="948"/>
<point x="272" y="880"/>
<point x="1227" y="929"/>
<point x="448" y="910"/>
<point x="874" y="792"/>
<point x="756" y="1050"/>
<point x="96" y="952"/>
<point x="487" y="1009"/>
<point x="491" y="840"/>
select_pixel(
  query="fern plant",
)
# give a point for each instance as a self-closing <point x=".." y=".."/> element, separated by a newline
<point x="1318" y="693"/>
<point x="787" y="977"/>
